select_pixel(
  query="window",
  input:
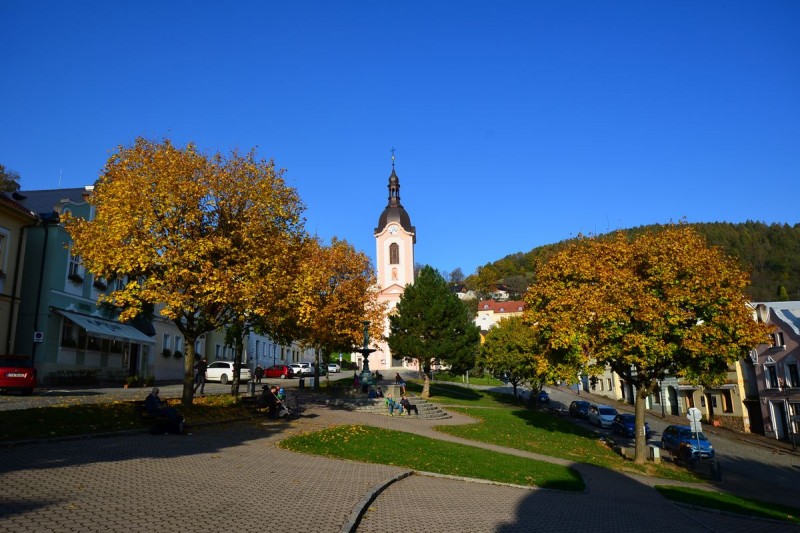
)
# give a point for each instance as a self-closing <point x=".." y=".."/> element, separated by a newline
<point x="609" y="384"/>
<point x="777" y="339"/>
<point x="68" y="333"/>
<point x="165" y="342"/>
<point x="394" y="254"/>
<point x="792" y="375"/>
<point x="119" y="284"/>
<point x="217" y="352"/>
<point x="3" y="241"/>
<point x="178" y="343"/>
<point x="74" y="268"/>
<point x="771" y="376"/>
<point x="727" y="405"/>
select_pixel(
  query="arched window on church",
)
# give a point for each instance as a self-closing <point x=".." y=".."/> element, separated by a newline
<point x="394" y="254"/>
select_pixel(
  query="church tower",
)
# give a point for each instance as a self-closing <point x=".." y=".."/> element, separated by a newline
<point x="394" y="259"/>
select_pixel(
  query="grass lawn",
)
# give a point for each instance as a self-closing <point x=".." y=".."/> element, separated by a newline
<point x="730" y="503"/>
<point x="505" y="421"/>
<point x="358" y="443"/>
<point x="83" y="419"/>
<point x="478" y="379"/>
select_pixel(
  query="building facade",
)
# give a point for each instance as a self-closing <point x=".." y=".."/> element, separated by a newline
<point x="395" y="238"/>
<point x="60" y="325"/>
<point x="773" y="390"/>
<point x="15" y="221"/>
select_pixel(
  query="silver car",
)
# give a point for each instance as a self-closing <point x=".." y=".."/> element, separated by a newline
<point x="302" y="370"/>
<point x="222" y="371"/>
<point x="602" y="415"/>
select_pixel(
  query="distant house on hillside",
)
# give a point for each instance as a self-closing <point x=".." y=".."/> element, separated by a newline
<point x="463" y="292"/>
<point x="501" y="293"/>
<point x="491" y="312"/>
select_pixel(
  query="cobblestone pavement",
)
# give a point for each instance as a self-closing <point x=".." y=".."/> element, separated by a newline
<point x="234" y="478"/>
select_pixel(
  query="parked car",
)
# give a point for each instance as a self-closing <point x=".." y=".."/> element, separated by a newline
<point x="543" y="398"/>
<point x="17" y="373"/>
<point x="601" y="416"/>
<point x="279" y="371"/>
<point x="625" y="424"/>
<point x="685" y="444"/>
<point x="333" y="368"/>
<point x="302" y="370"/>
<point x="579" y="409"/>
<point x="222" y="371"/>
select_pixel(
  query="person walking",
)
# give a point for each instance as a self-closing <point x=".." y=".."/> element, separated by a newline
<point x="200" y="375"/>
<point x="259" y="373"/>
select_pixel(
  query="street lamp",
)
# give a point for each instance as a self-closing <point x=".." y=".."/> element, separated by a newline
<point x="274" y="347"/>
<point x="365" y="351"/>
<point x="787" y="392"/>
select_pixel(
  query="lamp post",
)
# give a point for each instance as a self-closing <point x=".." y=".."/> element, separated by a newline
<point x="787" y="392"/>
<point x="365" y="351"/>
<point x="274" y="348"/>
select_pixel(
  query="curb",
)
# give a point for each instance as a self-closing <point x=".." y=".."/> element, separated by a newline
<point x="351" y="526"/>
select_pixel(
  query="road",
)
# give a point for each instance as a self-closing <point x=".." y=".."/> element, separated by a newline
<point x="745" y="459"/>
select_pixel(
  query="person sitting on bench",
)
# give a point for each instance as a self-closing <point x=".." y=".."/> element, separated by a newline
<point x="156" y="407"/>
<point x="408" y="406"/>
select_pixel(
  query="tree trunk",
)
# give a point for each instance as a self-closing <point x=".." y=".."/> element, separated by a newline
<point x="237" y="364"/>
<point x="641" y="438"/>
<point x="188" y="372"/>
<point x="316" y="369"/>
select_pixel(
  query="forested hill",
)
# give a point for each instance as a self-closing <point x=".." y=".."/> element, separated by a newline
<point x="771" y="253"/>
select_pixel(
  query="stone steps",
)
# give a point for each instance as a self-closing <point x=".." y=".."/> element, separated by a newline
<point x="426" y="409"/>
<point x="378" y="406"/>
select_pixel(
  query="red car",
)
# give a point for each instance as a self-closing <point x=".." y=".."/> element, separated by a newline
<point x="17" y="373"/>
<point x="278" y="371"/>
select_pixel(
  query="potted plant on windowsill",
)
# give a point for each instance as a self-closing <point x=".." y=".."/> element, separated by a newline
<point x="166" y="352"/>
<point x="99" y="285"/>
<point x="75" y="278"/>
<point x="178" y="354"/>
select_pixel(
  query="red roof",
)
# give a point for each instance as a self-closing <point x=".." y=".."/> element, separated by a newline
<point x="511" y="306"/>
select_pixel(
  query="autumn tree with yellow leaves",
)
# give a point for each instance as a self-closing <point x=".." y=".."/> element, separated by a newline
<point x="661" y="304"/>
<point x="209" y="240"/>
<point x="335" y="291"/>
<point x="511" y="350"/>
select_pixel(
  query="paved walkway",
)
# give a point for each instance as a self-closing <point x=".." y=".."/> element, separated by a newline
<point x="234" y="478"/>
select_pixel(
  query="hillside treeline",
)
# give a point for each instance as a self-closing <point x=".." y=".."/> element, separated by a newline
<point x="771" y="253"/>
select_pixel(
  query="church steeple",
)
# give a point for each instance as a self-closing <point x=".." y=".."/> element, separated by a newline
<point x="394" y="211"/>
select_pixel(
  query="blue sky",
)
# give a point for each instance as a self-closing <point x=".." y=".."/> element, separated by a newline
<point x="516" y="124"/>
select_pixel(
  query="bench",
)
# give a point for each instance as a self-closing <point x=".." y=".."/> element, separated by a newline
<point x="144" y="414"/>
<point x="251" y="404"/>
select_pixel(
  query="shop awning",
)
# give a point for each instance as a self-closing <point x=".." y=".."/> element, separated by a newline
<point x="110" y="329"/>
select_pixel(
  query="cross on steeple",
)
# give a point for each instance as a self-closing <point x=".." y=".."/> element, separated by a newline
<point x="392" y="150"/>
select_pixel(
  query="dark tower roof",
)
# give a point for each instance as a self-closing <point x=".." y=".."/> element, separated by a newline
<point x="394" y="212"/>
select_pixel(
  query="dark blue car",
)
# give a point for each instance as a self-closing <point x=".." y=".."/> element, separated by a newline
<point x="625" y="424"/>
<point x="685" y="444"/>
<point x="579" y="409"/>
<point x="543" y="398"/>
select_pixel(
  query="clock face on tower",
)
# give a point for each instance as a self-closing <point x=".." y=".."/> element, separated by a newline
<point x="393" y="229"/>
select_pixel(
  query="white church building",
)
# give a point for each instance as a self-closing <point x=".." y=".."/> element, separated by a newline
<point x="395" y="238"/>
